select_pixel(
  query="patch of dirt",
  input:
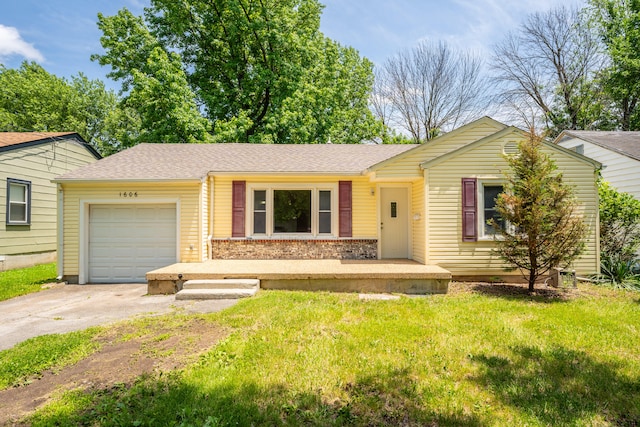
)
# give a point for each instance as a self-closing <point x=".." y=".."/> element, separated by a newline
<point x="52" y="285"/>
<point x="541" y="291"/>
<point x="119" y="361"/>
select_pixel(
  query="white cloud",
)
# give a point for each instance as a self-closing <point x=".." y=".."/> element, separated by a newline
<point x="12" y="44"/>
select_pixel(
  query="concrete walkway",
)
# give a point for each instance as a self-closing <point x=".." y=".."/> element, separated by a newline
<point x="66" y="308"/>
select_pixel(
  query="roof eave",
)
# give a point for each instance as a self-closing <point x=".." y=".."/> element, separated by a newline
<point x="49" y="139"/>
<point x="134" y="180"/>
<point x="287" y="173"/>
<point x="594" y="142"/>
<point x="443" y="137"/>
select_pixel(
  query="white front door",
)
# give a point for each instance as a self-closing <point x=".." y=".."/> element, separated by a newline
<point x="394" y="222"/>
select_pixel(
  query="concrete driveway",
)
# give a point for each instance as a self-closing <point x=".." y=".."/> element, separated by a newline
<point x="66" y="308"/>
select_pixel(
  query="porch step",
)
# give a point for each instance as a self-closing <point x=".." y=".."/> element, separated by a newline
<point x="193" y="294"/>
<point x="221" y="284"/>
<point x="218" y="289"/>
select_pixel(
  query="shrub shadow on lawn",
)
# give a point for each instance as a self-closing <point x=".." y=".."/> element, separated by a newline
<point x="559" y="386"/>
<point x="388" y="398"/>
<point x="541" y="293"/>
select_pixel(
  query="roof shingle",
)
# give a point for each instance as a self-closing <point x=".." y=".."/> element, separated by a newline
<point x="624" y="142"/>
<point x="195" y="161"/>
<point x="14" y="138"/>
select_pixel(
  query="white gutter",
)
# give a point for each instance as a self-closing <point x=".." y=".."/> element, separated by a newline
<point x="119" y="180"/>
<point x="285" y="173"/>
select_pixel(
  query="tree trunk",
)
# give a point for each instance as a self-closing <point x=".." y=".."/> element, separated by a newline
<point x="532" y="280"/>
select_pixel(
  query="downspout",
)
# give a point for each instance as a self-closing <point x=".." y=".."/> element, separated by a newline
<point x="211" y="204"/>
<point x="200" y="219"/>
<point x="60" y="234"/>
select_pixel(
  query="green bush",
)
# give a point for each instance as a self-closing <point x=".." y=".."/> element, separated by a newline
<point x="619" y="223"/>
<point x="619" y="238"/>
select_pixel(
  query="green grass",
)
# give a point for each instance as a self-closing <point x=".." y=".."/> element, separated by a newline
<point x="24" y="281"/>
<point x="298" y="358"/>
<point x="28" y="359"/>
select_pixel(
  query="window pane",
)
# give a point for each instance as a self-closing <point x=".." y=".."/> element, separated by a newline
<point x="18" y="213"/>
<point x="259" y="222"/>
<point x="292" y="211"/>
<point x="325" y="222"/>
<point x="490" y="195"/>
<point x="325" y="200"/>
<point x="489" y="229"/>
<point x="260" y="211"/>
<point x="260" y="200"/>
<point x="17" y="193"/>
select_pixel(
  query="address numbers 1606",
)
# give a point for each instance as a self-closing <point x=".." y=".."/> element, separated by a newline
<point x="128" y="194"/>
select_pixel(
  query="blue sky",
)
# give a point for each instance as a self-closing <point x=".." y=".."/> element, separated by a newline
<point x="61" y="35"/>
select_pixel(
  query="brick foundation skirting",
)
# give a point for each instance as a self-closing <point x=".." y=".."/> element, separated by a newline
<point x="294" y="249"/>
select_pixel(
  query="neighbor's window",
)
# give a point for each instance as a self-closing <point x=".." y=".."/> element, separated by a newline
<point x="18" y="202"/>
<point x="280" y="211"/>
<point x="489" y="195"/>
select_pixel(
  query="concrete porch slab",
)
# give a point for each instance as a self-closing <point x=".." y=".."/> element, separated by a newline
<point x="402" y="276"/>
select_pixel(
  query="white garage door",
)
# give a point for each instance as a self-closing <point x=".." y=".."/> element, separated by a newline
<point x="127" y="241"/>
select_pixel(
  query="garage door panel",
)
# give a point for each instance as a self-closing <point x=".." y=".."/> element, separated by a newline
<point x="153" y="214"/>
<point x="126" y="242"/>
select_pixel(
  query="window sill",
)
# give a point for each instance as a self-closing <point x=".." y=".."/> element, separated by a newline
<point x="292" y="237"/>
<point x="489" y="238"/>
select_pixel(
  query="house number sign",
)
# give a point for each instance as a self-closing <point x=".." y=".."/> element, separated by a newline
<point x="129" y="194"/>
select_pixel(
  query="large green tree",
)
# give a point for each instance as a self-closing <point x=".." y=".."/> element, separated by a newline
<point x="541" y="228"/>
<point x="259" y="70"/>
<point x="618" y="22"/>
<point x="154" y="85"/>
<point x="31" y="99"/>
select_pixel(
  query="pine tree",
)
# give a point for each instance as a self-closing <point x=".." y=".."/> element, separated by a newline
<point x="541" y="228"/>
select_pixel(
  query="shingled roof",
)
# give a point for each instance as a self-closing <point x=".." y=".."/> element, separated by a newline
<point x="623" y="142"/>
<point x="15" y="138"/>
<point x="154" y="162"/>
<point x="18" y="140"/>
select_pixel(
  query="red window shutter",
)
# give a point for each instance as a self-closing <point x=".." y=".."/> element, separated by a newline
<point x="344" y="208"/>
<point x="469" y="210"/>
<point x="238" y="208"/>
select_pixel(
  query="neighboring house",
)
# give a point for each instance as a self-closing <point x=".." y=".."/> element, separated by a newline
<point x="28" y="198"/>
<point x="156" y="204"/>
<point x="618" y="152"/>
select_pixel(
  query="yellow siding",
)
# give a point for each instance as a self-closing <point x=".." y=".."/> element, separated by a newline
<point x="39" y="165"/>
<point x="364" y="212"/>
<point x="418" y="224"/>
<point x="444" y="232"/>
<point x="222" y="206"/>
<point x="408" y="166"/>
<point x="188" y="195"/>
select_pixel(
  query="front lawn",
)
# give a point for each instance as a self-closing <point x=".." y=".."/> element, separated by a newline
<point x="24" y="281"/>
<point x="469" y="358"/>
